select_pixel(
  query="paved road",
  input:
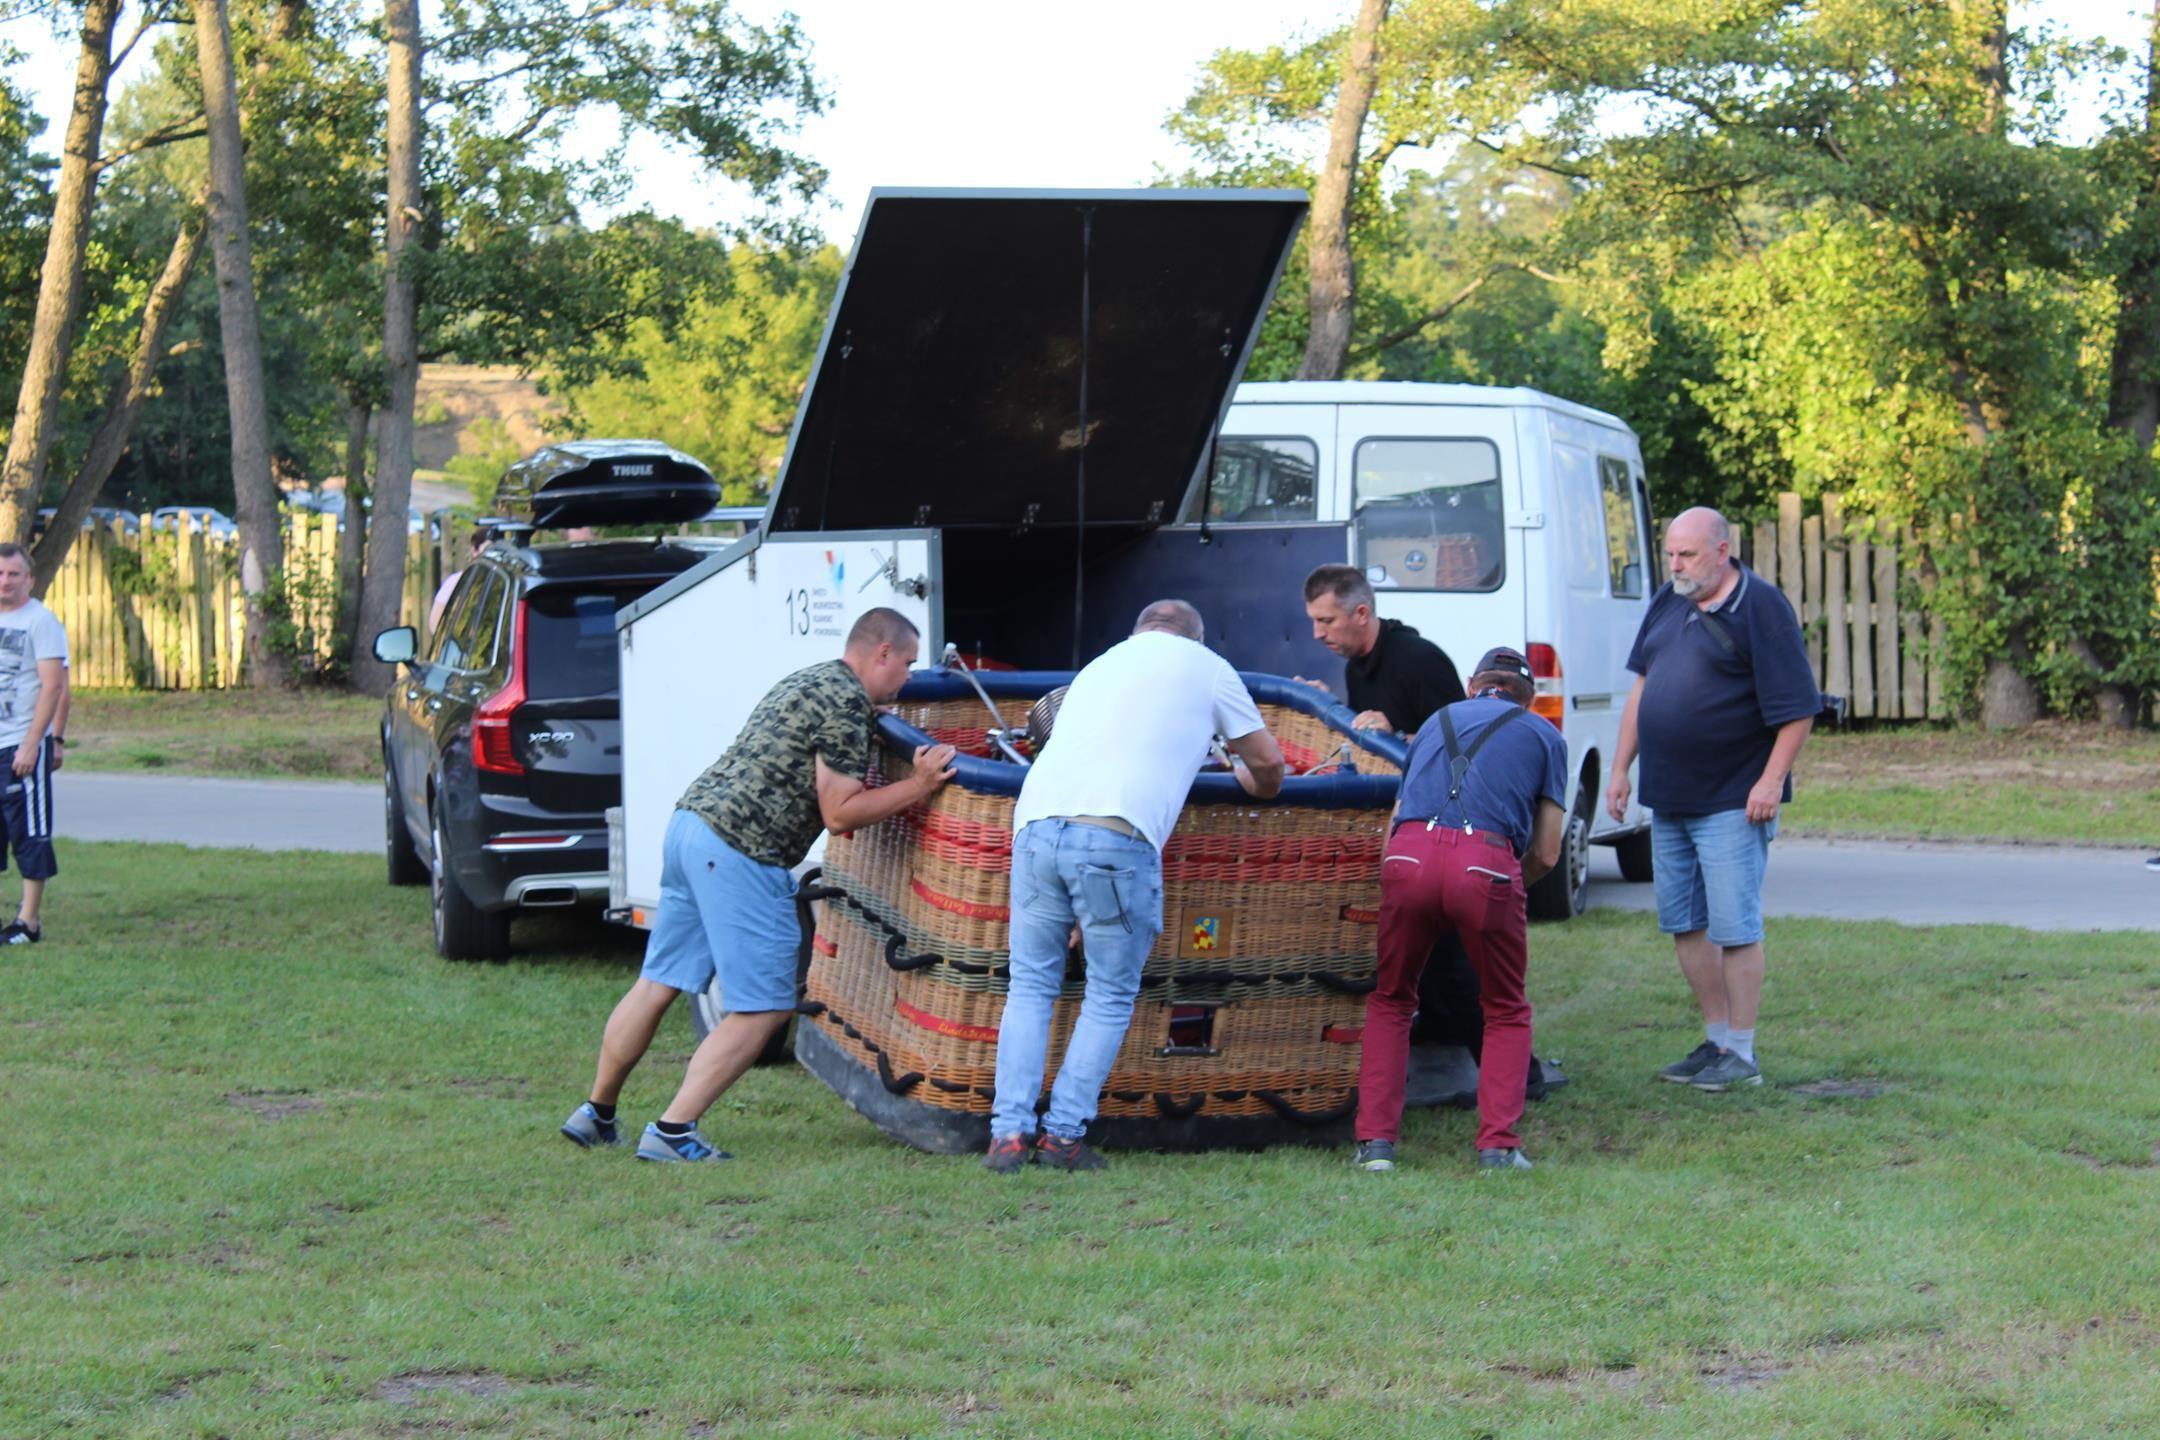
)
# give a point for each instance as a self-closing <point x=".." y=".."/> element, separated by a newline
<point x="2038" y="887"/>
<point x="237" y="814"/>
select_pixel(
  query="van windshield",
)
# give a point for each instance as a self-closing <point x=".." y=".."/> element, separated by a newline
<point x="1429" y="514"/>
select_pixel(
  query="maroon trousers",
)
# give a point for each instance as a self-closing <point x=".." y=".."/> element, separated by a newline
<point x="1432" y="881"/>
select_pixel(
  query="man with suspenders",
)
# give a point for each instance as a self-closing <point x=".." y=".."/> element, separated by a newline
<point x="1478" y="819"/>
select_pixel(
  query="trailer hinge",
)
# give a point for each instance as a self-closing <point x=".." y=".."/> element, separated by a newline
<point x="1526" y="520"/>
<point x="627" y="632"/>
<point x="922" y="515"/>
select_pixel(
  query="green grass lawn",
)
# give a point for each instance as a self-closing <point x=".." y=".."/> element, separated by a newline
<point x="2056" y="783"/>
<point x="269" y="1168"/>
<point x="307" y="734"/>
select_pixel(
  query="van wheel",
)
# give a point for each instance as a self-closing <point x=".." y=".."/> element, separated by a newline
<point x="1633" y="853"/>
<point x="1565" y="891"/>
<point x="401" y="857"/>
<point x="463" y="931"/>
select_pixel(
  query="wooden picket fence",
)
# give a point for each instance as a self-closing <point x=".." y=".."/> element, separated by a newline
<point x="1865" y="641"/>
<point x="162" y="609"/>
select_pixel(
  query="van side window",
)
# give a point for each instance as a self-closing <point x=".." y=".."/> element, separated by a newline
<point x="1258" y="481"/>
<point x="1429" y="514"/>
<point x="1623" y="529"/>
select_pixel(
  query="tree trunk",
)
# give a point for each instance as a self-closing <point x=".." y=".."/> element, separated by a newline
<point x="2134" y="388"/>
<point x="382" y="592"/>
<point x="110" y="440"/>
<point x="2008" y="700"/>
<point x="60" y="283"/>
<point x="255" y="496"/>
<point x="352" y="539"/>
<point x="1334" y="271"/>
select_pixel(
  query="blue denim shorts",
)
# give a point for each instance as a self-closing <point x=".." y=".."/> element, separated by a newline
<point x="722" y="915"/>
<point x="1709" y="872"/>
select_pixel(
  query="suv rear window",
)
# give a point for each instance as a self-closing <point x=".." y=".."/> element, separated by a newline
<point x="570" y="640"/>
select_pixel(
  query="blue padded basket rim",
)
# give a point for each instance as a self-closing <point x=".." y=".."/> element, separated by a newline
<point x="1319" y="792"/>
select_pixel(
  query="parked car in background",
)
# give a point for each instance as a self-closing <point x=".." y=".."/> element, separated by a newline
<point x="100" y="515"/>
<point x="502" y="742"/>
<point x="332" y="502"/>
<point x="208" y="520"/>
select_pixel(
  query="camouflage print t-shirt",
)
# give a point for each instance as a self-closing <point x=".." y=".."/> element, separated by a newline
<point x="761" y="796"/>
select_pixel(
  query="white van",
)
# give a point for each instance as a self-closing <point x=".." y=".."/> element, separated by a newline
<point x="1483" y="517"/>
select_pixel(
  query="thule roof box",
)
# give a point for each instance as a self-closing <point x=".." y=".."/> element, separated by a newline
<point x="605" y="482"/>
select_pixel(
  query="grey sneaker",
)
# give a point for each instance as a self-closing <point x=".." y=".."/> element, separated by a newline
<point x="2152" y="862"/>
<point x="586" y="1129"/>
<point x="1727" y="1072"/>
<point x="1375" y="1155"/>
<point x="652" y="1145"/>
<point x="1683" y="1072"/>
<point x="1502" y="1159"/>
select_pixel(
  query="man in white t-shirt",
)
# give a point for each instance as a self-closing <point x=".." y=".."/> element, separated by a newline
<point x="33" y="684"/>
<point x="1089" y="828"/>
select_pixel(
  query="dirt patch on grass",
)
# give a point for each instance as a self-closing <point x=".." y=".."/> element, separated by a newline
<point x="1840" y="1089"/>
<point x="1736" y="1377"/>
<point x="407" y="1389"/>
<point x="274" y="1104"/>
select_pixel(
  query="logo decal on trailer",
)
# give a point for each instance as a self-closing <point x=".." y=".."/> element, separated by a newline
<point x="838" y="565"/>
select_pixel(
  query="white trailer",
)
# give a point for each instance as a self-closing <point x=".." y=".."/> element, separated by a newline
<point x="700" y="651"/>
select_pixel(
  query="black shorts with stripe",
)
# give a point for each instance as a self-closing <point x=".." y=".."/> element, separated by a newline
<point x="27" y="806"/>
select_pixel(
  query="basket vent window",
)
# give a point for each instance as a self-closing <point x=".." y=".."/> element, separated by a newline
<point x="1192" y="1027"/>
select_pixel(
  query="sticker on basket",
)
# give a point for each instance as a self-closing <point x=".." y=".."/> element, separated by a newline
<point x="1204" y="932"/>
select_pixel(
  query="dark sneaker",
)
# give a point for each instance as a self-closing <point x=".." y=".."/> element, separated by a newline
<point x="653" y="1145"/>
<point x="17" y="933"/>
<point x="1683" y="1072"/>
<point x="1502" y="1159"/>
<point x="1375" y="1155"/>
<point x="1727" y="1072"/>
<point x="1008" y="1153"/>
<point x="2152" y="862"/>
<point x="1059" y="1153"/>
<point x="585" y="1128"/>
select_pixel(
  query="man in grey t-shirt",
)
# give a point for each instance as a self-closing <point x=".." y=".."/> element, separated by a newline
<point x="33" y="685"/>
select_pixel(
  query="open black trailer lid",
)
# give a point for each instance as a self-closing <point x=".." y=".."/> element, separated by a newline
<point x="605" y="482"/>
<point x="976" y="333"/>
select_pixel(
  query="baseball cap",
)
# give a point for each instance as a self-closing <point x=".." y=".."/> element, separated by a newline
<point x="1504" y="660"/>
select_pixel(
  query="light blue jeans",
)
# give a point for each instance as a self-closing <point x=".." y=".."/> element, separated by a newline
<point x="1111" y="885"/>
<point x="1709" y="874"/>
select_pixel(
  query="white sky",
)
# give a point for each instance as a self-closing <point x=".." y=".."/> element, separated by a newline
<point x="1030" y="93"/>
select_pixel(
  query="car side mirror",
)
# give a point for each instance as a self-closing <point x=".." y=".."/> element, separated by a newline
<point x="397" y="646"/>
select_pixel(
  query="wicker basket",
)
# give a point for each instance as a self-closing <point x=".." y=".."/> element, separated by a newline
<point x="1251" y="1006"/>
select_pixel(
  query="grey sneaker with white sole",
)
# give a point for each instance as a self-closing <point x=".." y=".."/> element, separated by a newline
<point x="586" y="1129"/>
<point x="1727" y="1072"/>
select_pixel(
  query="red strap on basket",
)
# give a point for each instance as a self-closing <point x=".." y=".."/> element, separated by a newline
<point x="1343" y="1034"/>
<point x="824" y="946"/>
<point x="987" y="1034"/>
<point x="1360" y="917"/>
<point x="957" y="906"/>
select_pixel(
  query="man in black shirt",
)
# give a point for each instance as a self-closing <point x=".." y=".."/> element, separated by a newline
<point x="1396" y="678"/>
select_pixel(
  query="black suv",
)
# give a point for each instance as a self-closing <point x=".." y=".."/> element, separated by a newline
<point x="502" y="745"/>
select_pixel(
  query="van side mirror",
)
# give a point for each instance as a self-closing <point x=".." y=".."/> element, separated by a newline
<point x="397" y="646"/>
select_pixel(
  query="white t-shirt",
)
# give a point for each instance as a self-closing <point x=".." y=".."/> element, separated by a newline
<point x="1134" y="731"/>
<point x="29" y="633"/>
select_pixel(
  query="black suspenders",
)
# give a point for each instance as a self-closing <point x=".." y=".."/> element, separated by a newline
<point x="1458" y="758"/>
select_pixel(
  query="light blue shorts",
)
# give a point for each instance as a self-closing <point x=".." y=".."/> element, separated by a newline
<point x="723" y="914"/>
<point x="1709" y="871"/>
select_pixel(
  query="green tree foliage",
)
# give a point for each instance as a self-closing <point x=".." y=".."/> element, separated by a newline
<point x="724" y="385"/>
<point x="1830" y="245"/>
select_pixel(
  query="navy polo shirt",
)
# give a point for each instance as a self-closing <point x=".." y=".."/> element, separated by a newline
<point x="1523" y="764"/>
<point x="1709" y="715"/>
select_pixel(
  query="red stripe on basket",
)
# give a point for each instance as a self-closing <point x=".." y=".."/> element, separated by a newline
<point x="987" y="1034"/>
<point x="824" y="946"/>
<point x="1297" y="756"/>
<point x="959" y="907"/>
<point x="1360" y="917"/>
<point x="1344" y="1034"/>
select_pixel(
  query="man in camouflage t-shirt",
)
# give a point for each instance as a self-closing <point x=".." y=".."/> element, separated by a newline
<point x="727" y="901"/>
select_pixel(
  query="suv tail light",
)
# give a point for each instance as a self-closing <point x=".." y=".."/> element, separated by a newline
<point x="1548" y="702"/>
<point x="492" y="748"/>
